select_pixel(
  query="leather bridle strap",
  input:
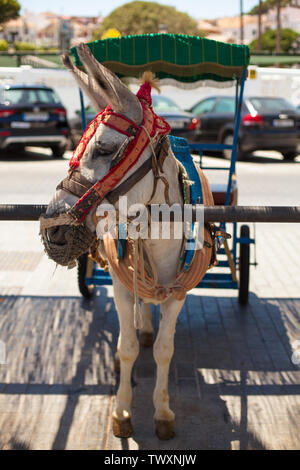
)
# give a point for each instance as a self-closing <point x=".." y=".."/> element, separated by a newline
<point x="123" y="188"/>
<point x="131" y="156"/>
<point x="115" y="121"/>
<point x="75" y="184"/>
<point x="78" y="185"/>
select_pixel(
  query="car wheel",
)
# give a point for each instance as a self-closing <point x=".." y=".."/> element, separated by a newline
<point x="290" y="155"/>
<point x="58" y="151"/>
<point x="20" y="148"/>
<point x="228" y="140"/>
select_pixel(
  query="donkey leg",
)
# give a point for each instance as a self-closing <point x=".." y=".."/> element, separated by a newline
<point x="128" y="349"/>
<point x="147" y="332"/>
<point x="117" y="366"/>
<point x="163" y="352"/>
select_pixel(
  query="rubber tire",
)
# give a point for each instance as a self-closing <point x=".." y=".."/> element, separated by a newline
<point x="58" y="151"/>
<point x="226" y="153"/>
<point x="290" y="155"/>
<point x="85" y="290"/>
<point x="244" y="267"/>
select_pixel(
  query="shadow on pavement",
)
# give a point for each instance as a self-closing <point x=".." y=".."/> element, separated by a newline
<point x="14" y="155"/>
<point x="66" y="347"/>
<point x="257" y="158"/>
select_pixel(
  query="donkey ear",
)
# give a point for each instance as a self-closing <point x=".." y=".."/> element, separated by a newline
<point x="88" y="84"/>
<point x="120" y="97"/>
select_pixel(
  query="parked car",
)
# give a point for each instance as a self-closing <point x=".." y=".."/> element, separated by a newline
<point x="32" y="115"/>
<point x="266" y="124"/>
<point x="183" y="124"/>
<point x="75" y="124"/>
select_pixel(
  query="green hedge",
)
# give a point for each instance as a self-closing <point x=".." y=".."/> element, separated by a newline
<point x="3" y="45"/>
<point x="24" y="46"/>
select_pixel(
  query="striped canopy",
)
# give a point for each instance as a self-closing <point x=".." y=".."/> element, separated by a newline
<point x="184" y="58"/>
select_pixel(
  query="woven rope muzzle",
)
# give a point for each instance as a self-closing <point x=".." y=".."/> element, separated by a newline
<point x="77" y="239"/>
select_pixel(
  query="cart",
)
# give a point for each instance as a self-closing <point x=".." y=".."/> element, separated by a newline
<point x="189" y="62"/>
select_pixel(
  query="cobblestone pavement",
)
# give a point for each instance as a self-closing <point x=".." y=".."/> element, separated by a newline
<point x="234" y="383"/>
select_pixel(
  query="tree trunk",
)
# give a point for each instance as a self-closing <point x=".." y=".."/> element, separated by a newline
<point x="259" y="42"/>
<point x="278" y="36"/>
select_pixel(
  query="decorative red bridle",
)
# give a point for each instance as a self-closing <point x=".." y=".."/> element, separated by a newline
<point x="152" y="127"/>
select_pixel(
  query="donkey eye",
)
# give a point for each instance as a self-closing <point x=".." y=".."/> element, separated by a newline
<point x="104" y="152"/>
<point x="101" y="151"/>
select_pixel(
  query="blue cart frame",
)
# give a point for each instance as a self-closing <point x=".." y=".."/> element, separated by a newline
<point x="91" y="276"/>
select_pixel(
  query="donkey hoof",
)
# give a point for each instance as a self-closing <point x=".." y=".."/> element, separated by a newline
<point x="146" y="339"/>
<point x="122" y="427"/>
<point x="164" y="429"/>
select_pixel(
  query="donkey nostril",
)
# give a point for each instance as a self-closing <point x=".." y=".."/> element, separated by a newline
<point x="57" y="235"/>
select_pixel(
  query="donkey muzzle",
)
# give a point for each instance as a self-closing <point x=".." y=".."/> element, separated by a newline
<point x="65" y="239"/>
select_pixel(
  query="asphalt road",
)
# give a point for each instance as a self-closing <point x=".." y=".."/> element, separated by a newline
<point x="265" y="179"/>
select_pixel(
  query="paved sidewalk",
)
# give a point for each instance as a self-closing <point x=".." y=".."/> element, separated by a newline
<point x="233" y="384"/>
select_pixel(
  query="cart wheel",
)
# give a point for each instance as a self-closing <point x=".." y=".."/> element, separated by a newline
<point x="244" y="266"/>
<point x="85" y="290"/>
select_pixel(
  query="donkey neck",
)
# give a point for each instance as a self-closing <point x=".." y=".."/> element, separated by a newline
<point x="170" y="173"/>
<point x="166" y="253"/>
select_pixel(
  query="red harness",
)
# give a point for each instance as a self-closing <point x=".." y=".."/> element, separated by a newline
<point x="152" y="125"/>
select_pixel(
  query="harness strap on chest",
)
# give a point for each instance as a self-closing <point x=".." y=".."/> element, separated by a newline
<point x="146" y="283"/>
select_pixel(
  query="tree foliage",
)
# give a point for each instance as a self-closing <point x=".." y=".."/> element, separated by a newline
<point x="288" y="36"/>
<point x="139" y="17"/>
<point x="9" y="9"/>
<point x="267" y="5"/>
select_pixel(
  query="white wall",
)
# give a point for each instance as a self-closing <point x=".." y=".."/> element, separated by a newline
<point x="279" y="82"/>
<point x="268" y="82"/>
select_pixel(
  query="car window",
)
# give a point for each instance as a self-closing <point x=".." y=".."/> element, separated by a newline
<point x="271" y="104"/>
<point x="204" y="106"/>
<point x="163" y="104"/>
<point x="225" y="105"/>
<point x="29" y="96"/>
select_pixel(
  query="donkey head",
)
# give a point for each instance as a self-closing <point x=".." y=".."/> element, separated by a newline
<point x="103" y="88"/>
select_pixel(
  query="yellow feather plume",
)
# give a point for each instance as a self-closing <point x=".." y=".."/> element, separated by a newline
<point x="149" y="77"/>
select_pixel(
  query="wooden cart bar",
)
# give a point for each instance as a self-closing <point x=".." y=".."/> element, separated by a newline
<point x="269" y="214"/>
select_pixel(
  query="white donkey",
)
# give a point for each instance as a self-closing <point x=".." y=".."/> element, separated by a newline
<point x="104" y="88"/>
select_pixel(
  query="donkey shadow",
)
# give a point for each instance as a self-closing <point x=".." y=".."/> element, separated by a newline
<point x="220" y="351"/>
<point x="66" y="346"/>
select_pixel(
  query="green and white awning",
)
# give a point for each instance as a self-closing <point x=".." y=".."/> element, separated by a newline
<point x="186" y="59"/>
